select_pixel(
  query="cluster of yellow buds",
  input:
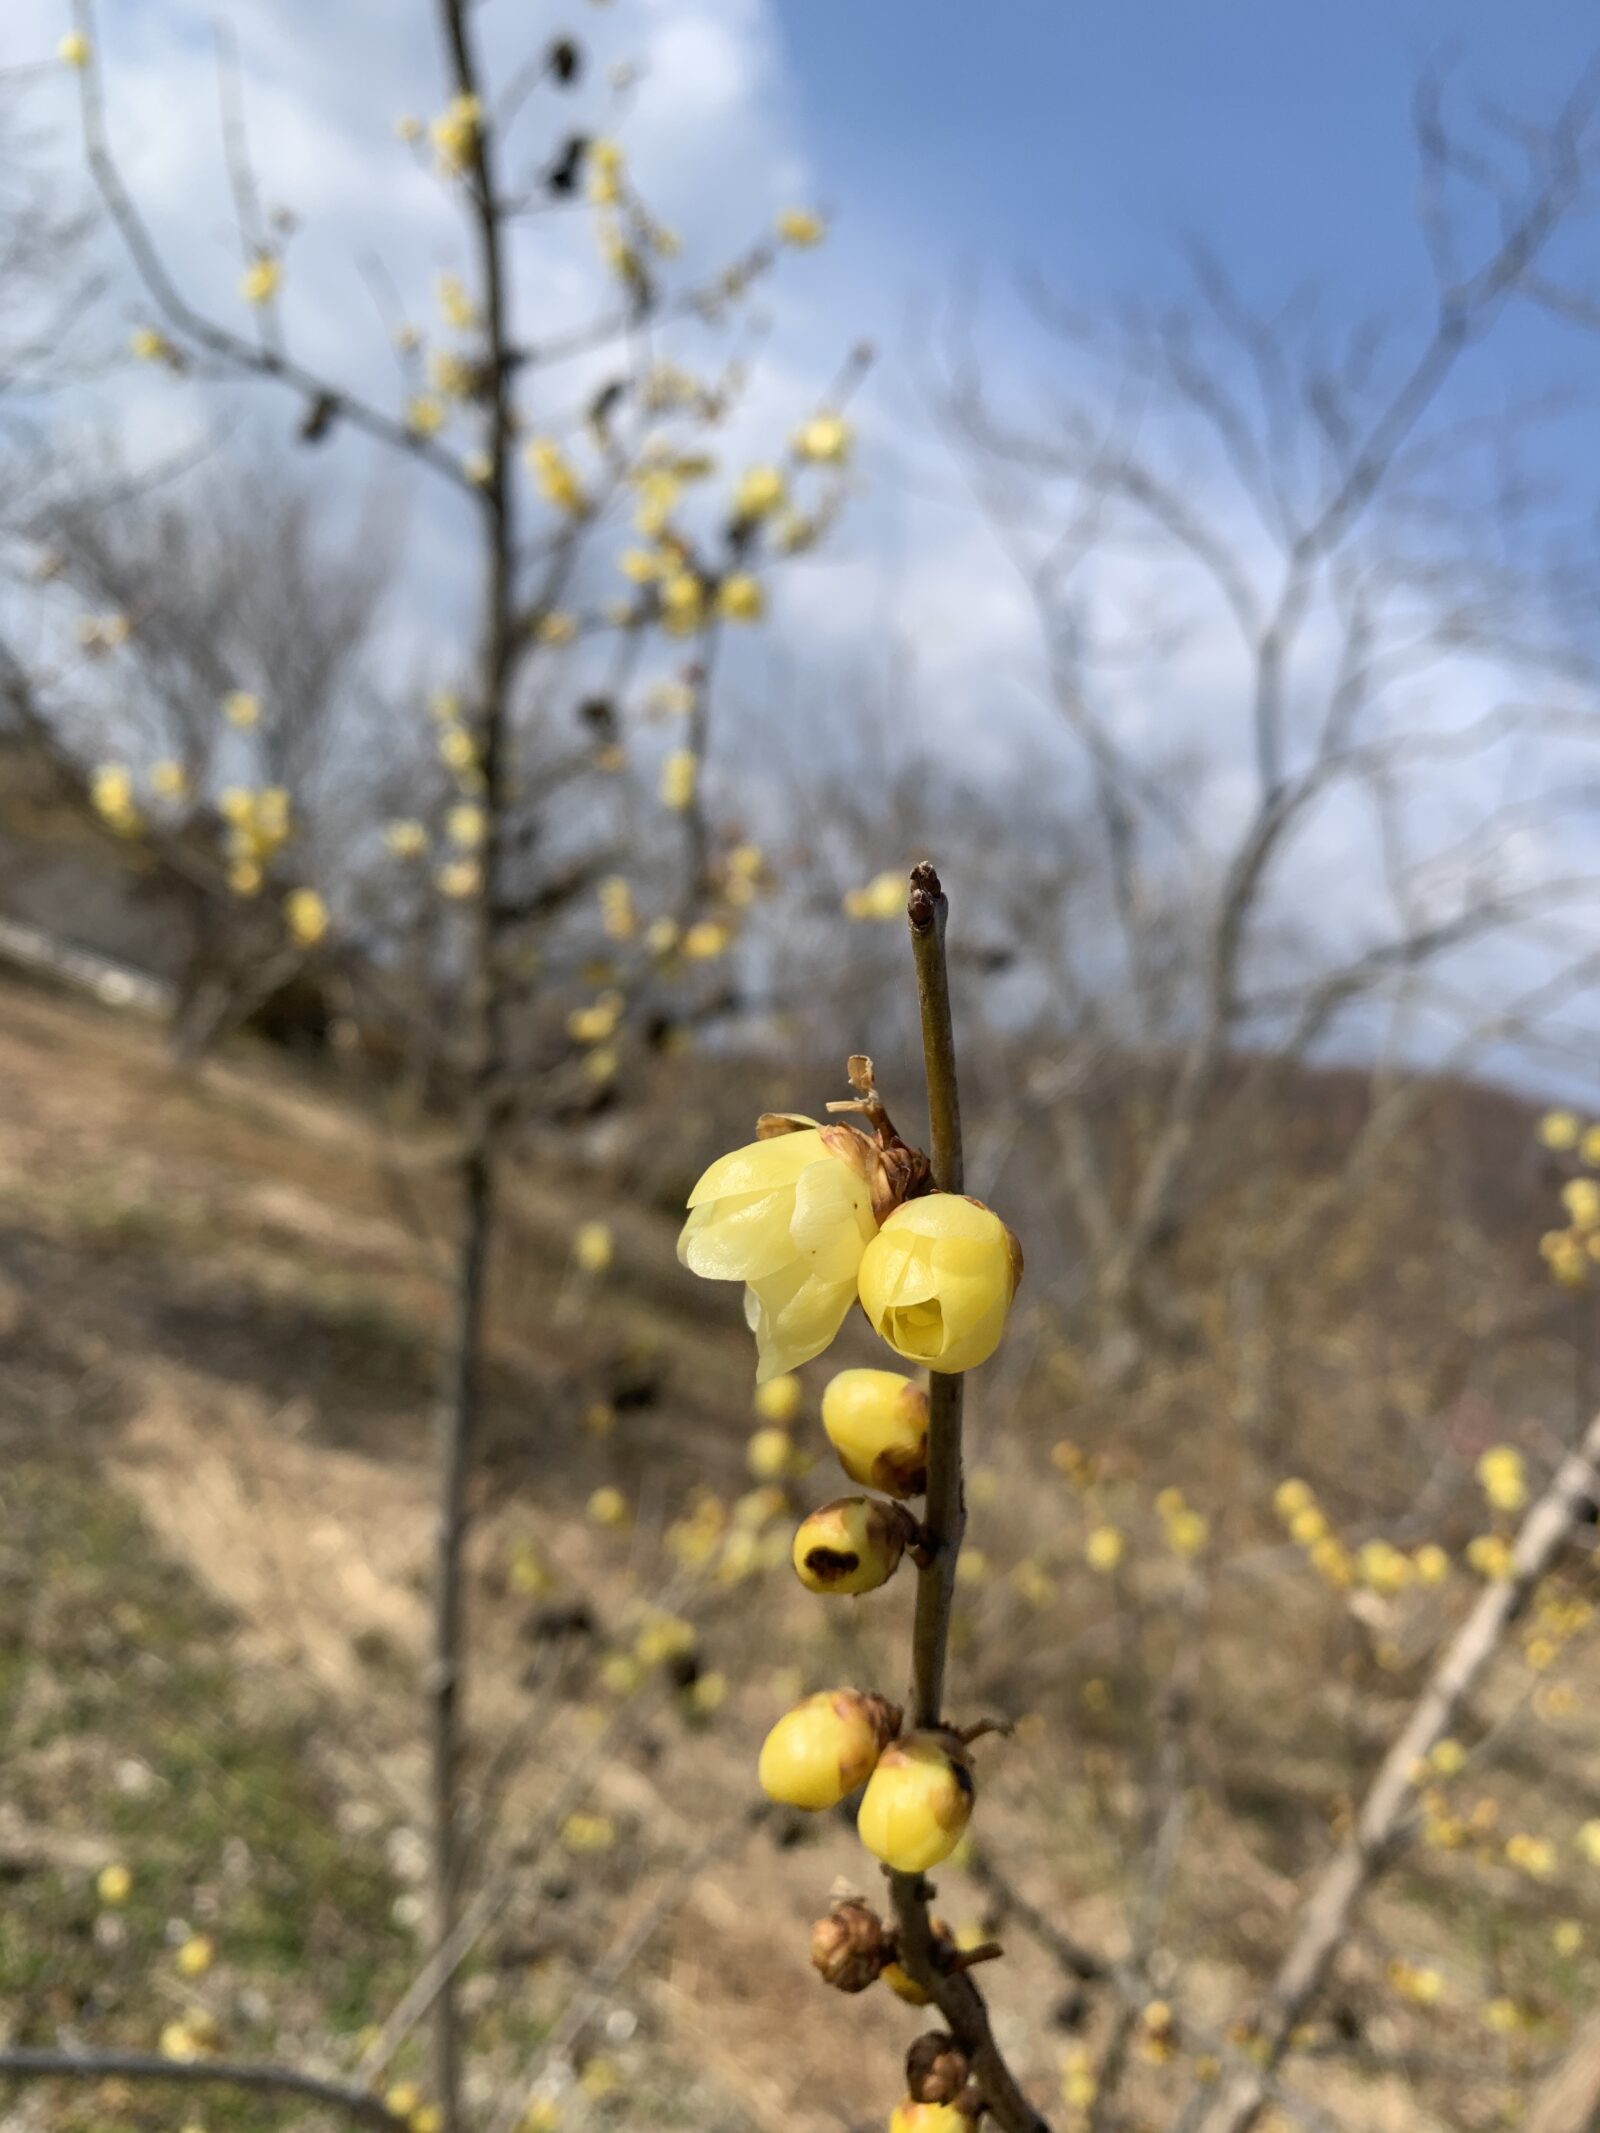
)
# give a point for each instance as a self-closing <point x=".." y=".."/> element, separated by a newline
<point x="258" y="827"/>
<point x="1296" y="1505"/>
<point x="454" y="134"/>
<point x="1571" y="1252"/>
<point x="1503" y="1478"/>
<point x="555" y="477"/>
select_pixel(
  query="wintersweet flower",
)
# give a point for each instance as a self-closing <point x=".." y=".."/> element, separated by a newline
<point x="740" y="598"/>
<point x="917" y="1803"/>
<point x="937" y="1280"/>
<point x="851" y="1546"/>
<point x="260" y="281"/>
<point x="241" y="708"/>
<point x="799" y="226"/>
<point x="306" y="916"/>
<point x="818" y="1753"/>
<point x="678" y="776"/>
<point x="760" y="490"/>
<point x="825" y="440"/>
<point x="909" y="2117"/>
<point x="877" y="1423"/>
<point x="73" y="50"/>
<point x="790" y="1216"/>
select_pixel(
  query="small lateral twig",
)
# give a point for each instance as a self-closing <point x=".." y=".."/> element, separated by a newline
<point x="1385" y="1816"/>
<point x="956" y="1996"/>
<point x="33" y="2062"/>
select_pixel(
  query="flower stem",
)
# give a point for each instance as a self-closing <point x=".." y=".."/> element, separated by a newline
<point x="957" y="1997"/>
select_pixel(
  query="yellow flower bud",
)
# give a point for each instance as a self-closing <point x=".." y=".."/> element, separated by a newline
<point x="819" y="1752"/>
<point x="909" y="2117"/>
<point x="917" y="1802"/>
<point x="760" y="490"/>
<point x="937" y="1281"/>
<point x="768" y="1452"/>
<point x="114" y="1885"/>
<point x="851" y="1546"/>
<point x="877" y="1423"/>
<point x="790" y="1217"/>
<point x="778" y="1400"/>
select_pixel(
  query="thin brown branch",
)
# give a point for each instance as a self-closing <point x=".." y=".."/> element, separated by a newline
<point x="39" y="2063"/>
<point x="957" y="1997"/>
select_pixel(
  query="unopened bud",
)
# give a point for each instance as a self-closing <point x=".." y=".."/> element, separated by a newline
<point x="917" y="1802"/>
<point x="851" y="1546"/>
<point x="877" y="1422"/>
<point x="825" y="1747"/>
<point x="850" y="1947"/>
<point x="937" y="2069"/>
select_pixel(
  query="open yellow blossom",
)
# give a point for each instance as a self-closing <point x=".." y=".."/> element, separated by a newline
<point x="883" y="898"/>
<point x="454" y="134"/>
<point x="917" y="1803"/>
<point x="261" y="280"/>
<point x="306" y="916"/>
<point x="799" y="226"/>
<point x="825" y="440"/>
<point x="74" y="49"/>
<point x="761" y="490"/>
<point x="790" y="1217"/>
<point x="937" y="1281"/>
<point x="877" y="1423"/>
<point x="740" y="598"/>
<point x="678" y="776"/>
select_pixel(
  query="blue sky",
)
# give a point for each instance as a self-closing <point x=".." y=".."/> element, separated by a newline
<point x="1090" y="136"/>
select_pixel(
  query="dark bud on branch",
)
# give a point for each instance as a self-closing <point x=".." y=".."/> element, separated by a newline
<point x="561" y="179"/>
<point x="937" y="2069"/>
<point x="850" y="1947"/>
<point x="566" y="60"/>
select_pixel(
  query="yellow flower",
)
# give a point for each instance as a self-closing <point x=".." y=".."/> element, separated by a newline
<point x="478" y="467"/>
<point x="554" y="475"/>
<point x="1104" y="1549"/>
<point x="1448" y="1757"/>
<point x="1307" y="1527"/>
<point x="740" y="598"/>
<point x="877" y="1423"/>
<point x="617" y="919"/>
<point x="778" y="1400"/>
<point x="595" y="1023"/>
<point x="149" y="345"/>
<point x="588" y="1833"/>
<point x="708" y="1693"/>
<point x="769" y="1452"/>
<point x="168" y="779"/>
<point x="883" y="898"/>
<point x="429" y="2119"/>
<point x="194" y="1958"/>
<point x="74" y="49"/>
<point x="455" y="134"/>
<point x="917" y="1802"/>
<point x="557" y="628"/>
<point x="683" y="603"/>
<point x="425" y="415"/>
<point x="1291" y="1497"/>
<point x="1502" y="1477"/>
<point x="450" y="374"/>
<point x="306" y="915"/>
<point x="761" y="490"/>
<point x="459" y="879"/>
<point x="1588" y="1842"/>
<point x="1566" y="1936"/>
<point x="261" y="280"/>
<point x="456" y="307"/>
<point x="407" y="840"/>
<point x="114" y="1884"/>
<point x="241" y="708"/>
<point x="825" y="440"/>
<point x="609" y="1507"/>
<point x="591" y="1247"/>
<point x="111" y="793"/>
<point x="851" y="1546"/>
<point x="678" y="776"/>
<point x="819" y="1752"/>
<point x="401" y="2100"/>
<point x="605" y="173"/>
<point x="1382" y="1566"/>
<point x="466" y="825"/>
<point x="245" y="877"/>
<point x="1589" y="1146"/>
<point x="1558" y="1130"/>
<point x="909" y="2117"/>
<point x="706" y="939"/>
<point x="1581" y="1199"/>
<point x="790" y="1217"/>
<point x="937" y="1281"/>
<point x="1187" y="1532"/>
<point x="1431" y="1564"/>
<point x="799" y="226"/>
